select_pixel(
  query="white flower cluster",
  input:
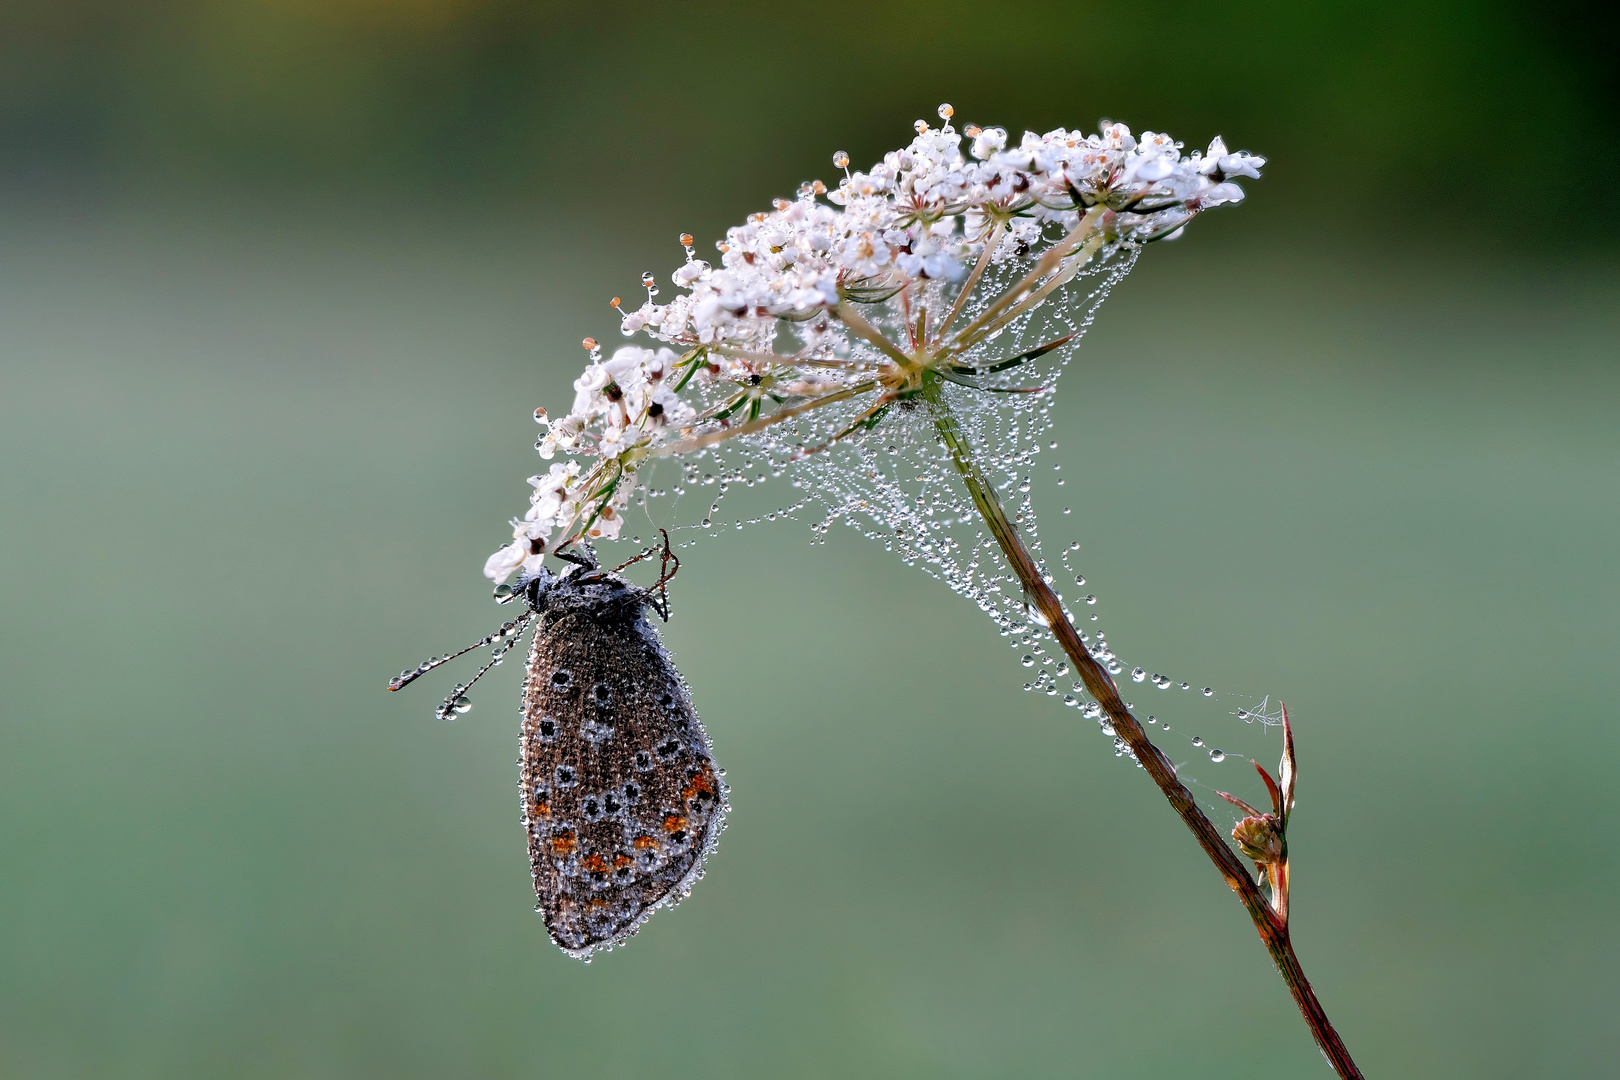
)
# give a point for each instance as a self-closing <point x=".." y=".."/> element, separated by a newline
<point x="620" y="405"/>
<point x="918" y="220"/>
<point x="926" y="212"/>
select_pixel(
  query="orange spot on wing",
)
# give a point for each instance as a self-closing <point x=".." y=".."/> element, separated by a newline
<point x="644" y="842"/>
<point x="595" y="864"/>
<point x="702" y="780"/>
<point x="564" y="843"/>
<point x="674" y="823"/>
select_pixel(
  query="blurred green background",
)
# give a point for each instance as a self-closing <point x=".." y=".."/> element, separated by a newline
<point x="282" y="281"/>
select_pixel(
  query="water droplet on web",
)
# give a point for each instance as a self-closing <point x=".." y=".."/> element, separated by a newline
<point x="1091" y="598"/>
<point x="1209" y="692"/>
<point x="1217" y="756"/>
<point x="462" y="705"/>
<point x="1138" y="674"/>
<point x="1186" y="686"/>
<point x="1197" y="741"/>
<point x="1028" y="661"/>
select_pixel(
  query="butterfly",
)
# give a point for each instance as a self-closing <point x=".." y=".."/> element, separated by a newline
<point x="622" y="800"/>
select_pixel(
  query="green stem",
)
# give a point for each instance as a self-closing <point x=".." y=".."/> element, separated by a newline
<point x="1273" y="931"/>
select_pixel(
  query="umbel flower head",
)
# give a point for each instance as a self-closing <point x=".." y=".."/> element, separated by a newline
<point x="903" y="283"/>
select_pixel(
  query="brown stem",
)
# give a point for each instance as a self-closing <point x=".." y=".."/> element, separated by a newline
<point x="1273" y="931"/>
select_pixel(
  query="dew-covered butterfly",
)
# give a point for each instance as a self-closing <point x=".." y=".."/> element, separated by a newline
<point x="622" y="800"/>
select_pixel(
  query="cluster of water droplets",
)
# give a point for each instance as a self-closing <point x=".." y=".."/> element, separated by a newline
<point x="1209" y="724"/>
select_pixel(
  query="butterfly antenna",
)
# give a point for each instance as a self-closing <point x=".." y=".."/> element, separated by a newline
<point x="666" y="571"/>
<point x="645" y="553"/>
<point x="410" y="675"/>
<point x="457" y="701"/>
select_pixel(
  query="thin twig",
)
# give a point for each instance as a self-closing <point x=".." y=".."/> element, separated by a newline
<point x="697" y="442"/>
<point x="973" y="279"/>
<point x="1048" y="263"/>
<point x="1273" y="932"/>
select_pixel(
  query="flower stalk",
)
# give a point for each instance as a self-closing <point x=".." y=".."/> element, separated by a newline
<point x="1272" y="925"/>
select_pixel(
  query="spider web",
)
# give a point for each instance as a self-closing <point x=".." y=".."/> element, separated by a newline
<point x="896" y="484"/>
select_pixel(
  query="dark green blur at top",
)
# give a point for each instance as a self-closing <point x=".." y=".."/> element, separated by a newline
<point x="282" y="281"/>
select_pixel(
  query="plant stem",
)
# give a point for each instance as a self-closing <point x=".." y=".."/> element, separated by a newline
<point x="1273" y="931"/>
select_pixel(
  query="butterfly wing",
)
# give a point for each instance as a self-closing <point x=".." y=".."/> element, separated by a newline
<point x="621" y="797"/>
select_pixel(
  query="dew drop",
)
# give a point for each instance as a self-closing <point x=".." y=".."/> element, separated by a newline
<point x="1209" y="692"/>
<point x="1028" y="661"/>
<point x="462" y="705"/>
<point x="1198" y="741"/>
<point x="1138" y="674"/>
<point x="1217" y="756"/>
